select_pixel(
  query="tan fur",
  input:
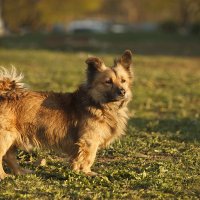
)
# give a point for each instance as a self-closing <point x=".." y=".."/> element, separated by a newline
<point x="77" y="123"/>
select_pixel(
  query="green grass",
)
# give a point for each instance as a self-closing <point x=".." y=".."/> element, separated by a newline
<point x="154" y="43"/>
<point x="159" y="158"/>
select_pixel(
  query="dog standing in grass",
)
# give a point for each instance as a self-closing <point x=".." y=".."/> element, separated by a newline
<point x="77" y="123"/>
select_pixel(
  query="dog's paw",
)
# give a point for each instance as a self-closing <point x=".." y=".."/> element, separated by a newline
<point x="92" y="174"/>
<point x="3" y="176"/>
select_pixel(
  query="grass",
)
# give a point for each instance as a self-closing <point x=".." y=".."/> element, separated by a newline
<point x="159" y="157"/>
<point x="144" y="43"/>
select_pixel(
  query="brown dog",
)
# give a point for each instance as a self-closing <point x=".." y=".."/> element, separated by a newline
<point x="77" y="123"/>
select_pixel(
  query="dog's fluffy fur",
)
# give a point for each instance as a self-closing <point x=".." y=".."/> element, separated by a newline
<point x="77" y="123"/>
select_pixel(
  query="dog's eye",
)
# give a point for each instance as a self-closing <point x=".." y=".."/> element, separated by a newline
<point x="123" y="80"/>
<point x="109" y="81"/>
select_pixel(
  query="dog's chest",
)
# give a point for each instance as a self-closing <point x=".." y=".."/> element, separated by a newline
<point x="112" y="124"/>
<point x="120" y="120"/>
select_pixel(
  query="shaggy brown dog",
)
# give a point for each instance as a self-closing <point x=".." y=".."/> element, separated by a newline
<point x="77" y="123"/>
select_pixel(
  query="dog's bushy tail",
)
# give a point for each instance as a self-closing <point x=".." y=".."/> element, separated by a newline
<point x="10" y="83"/>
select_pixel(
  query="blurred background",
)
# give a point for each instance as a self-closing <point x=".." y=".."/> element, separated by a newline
<point x="149" y="27"/>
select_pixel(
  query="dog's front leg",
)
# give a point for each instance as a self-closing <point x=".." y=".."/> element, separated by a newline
<point x="85" y="156"/>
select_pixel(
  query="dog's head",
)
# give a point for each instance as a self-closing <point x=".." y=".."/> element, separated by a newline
<point x="110" y="84"/>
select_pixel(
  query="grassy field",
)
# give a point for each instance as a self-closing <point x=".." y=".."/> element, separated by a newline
<point x="159" y="158"/>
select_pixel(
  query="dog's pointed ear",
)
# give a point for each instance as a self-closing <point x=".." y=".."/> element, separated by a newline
<point x="125" y="60"/>
<point x="95" y="65"/>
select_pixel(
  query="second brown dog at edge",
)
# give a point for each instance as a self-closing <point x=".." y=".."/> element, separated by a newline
<point x="77" y="124"/>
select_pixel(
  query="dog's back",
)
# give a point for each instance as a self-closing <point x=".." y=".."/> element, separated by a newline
<point x="31" y="118"/>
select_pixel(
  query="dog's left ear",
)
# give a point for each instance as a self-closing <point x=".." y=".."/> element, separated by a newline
<point x="125" y="60"/>
<point x="95" y="65"/>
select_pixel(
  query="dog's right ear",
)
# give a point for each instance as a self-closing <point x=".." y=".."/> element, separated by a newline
<point x="95" y="65"/>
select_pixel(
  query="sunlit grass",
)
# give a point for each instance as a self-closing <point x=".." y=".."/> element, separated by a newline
<point x="158" y="158"/>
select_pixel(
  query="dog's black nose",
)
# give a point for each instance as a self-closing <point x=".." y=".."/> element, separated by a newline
<point x="121" y="91"/>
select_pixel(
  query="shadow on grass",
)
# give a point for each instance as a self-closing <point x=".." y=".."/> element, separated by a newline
<point x="56" y="173"/>
<point x="185" y="129"/>
<point x="49" y="175"/>
<point x="156" y="43"/>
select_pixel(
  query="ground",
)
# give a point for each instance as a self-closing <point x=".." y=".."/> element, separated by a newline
<point x="158" y="158"/>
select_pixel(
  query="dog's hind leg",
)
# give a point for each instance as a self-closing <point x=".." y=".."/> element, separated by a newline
<point x="11" y="161"/>
<point x="7" y="138"/>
